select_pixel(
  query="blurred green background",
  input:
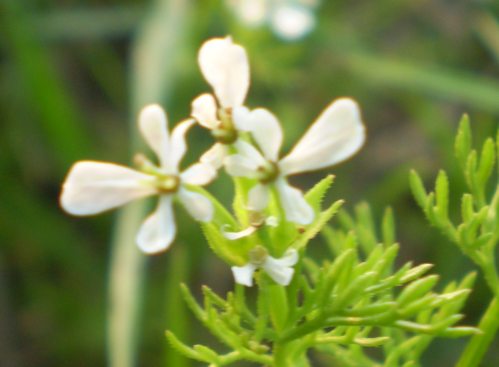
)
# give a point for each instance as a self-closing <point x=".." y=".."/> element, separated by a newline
<point x="74" y="75"/>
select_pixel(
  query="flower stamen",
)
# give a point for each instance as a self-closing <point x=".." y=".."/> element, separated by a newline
<point x="167" y="184"/>
<point x="258" y="255"/>
<point x="268" y="172"/>
<point x="225" y="133"/>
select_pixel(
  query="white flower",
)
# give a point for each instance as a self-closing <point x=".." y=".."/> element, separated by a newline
<point x="93" y="187"/>
<point x="225" y="66"/>
<point x="280" y="270"/>
<point x="292" y="21"/>
<point x="336" y="135"/>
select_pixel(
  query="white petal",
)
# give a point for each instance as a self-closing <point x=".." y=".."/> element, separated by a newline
<point x="281" y="269"/>
<point x="93" y="187"/>
<point x="250" y="152"/>
<point x="215" y="155"/>
<point x="238" y="165"/>
<point x="198" y="206"/>
<point x="336" y="135"/>
<point x="153" y="125"/>
<point x="244" y="274"/>
<point x="237" y="235"/>
<point x="204" y="110"/>
<point x="225" y="66"/>
<point x="292" y="22"/>
<point x="294" y="204"/>
<point x="158" y="230"/>
<point x="198" y="174"/>
<point x="258" y="197"/>
<point x="241" y="118"/>
<point x="264" y="127"/>
<point x="178" y="147"/>
<point x="290" y="258"/>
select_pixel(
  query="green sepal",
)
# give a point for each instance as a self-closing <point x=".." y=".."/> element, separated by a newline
<point x="313" y="229"/>
<point x="316" y="194"/>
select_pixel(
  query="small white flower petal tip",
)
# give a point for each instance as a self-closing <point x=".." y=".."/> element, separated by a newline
<point x="257" y="220"/>
<point x="232" y="236"/>
<point x="279" y="269"/>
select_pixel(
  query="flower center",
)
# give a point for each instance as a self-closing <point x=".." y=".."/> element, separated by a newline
<point x="225" y="133"/>
<point x="256" y="219"/>
<point x="268" y="172"/>
<point x="258" y="255"/>
<point x="167" y="184"/>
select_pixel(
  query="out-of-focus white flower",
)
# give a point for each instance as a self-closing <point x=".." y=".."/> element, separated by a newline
<point x="337" y="134"/>
<point x="255" y="224"/>
<point x="93" y="187"/>
<point x="225" y="67"/>
<point x="290" y="19"/>
<point x="280" y="270"/>
<point x="251" y="12"/>
<point x="293" y="21"/>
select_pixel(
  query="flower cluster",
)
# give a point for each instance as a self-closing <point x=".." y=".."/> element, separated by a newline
<point x="247" y="146"/>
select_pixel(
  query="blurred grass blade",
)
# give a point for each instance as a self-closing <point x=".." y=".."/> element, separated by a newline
<point x="85" y="24"/>
<point x="454" y="85"/>
<point x="487" y="29"/>
<point x="126" y="280"/>
<point x="155" y="51"/>
<point x="61" y="121"/>
<point x="176" y="312"/>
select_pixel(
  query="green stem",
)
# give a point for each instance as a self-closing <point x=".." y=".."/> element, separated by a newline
<point x="479" y="344"/>
<point x="490" y="273"/>
<point x="282" y="357"/>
